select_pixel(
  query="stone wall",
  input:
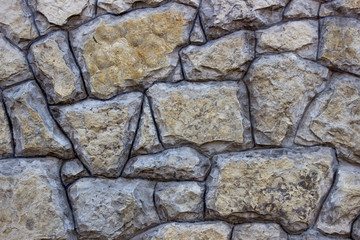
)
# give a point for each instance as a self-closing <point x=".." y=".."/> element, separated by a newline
<point x="185" y="119"/>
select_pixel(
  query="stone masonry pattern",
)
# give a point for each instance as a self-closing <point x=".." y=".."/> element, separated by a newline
<point x="179" y="119"/>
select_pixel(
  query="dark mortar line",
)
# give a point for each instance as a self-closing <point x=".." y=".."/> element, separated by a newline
<point x="206" y="189"/>
<point x="96" y="8"/>
<point x="201" y="23"/>
<point x="33" y="17"/>
<point x="284" y="9"/>
<point x="193" y="26"/>
<point x="319" y="32"/>
<point x="11" y="127"/>
<point x="182" y="65"/>
<point x="231" y="232"/>
<point x="352" y="226"/>
<point x="156" y="205"/>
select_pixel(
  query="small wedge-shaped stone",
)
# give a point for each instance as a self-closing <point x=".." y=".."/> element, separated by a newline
<point x="221" y="17"/>
<point x="33" y="201"/>
<point x="35" y="131"/>
<point x="14" y="68"/>
<point x="281" y="86"/>
<point x="341" y="208"/>
<point x="56" y="70"/>
<point x="182" y="163"/>
<point x="263" y="231"/>
<point x="226" y="58"/>
<point x="180" y="201"/>
<point x="102" y="131"/>
<point x="197" y="35"/>
<point x="112" y="208"/>
<point x="6" y="148"/>
<point x="341" y="7"/>
<point x="119" y="53"/>
<point x="295" y="36"/>
<point x="340" y="43"/>
<point x="212" y="116"/>
<point x="186" y="231"/>
<point x="302" y="9"/>
<point x="286" y="186"/>
<point x="72" y="170"/>
<point x="334" y="118"/>
<point x="312" y="234"/>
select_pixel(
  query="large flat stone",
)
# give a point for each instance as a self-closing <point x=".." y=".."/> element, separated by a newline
<point x="263" y="231"/>
<point x="286" y="186"/>
<point x="302" y="9"/>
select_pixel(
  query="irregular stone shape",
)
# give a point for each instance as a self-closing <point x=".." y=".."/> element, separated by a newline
<point x="185" y="231"/>
<point x="33" y="203"/>
<point x="14" y="68"/>
<point x="112" y="208"/>
<point x="355" y="234"/>
<point x="72" y="170"/>
<point x="341" y="207"/>
<point x="182" y="163"/>
<point x="6" y="147"/>
<point x="269" y="231"/>
<point x="295" y="36"/>
<point x="211" y="116"/>
<point x="16" y="20"/>
<point x="281" y="86"/>
<point x="147" y="139"/>
<point x="314" y="235"/>
<point x="102" y="132"/>
<point x="334" y="117"/>
<point x="340" y="43"/>
<point x="35" y="131"/>
<point x="302" y="9"/>
<point x="50" y="15"/>
<point x="197" y="35"/>
<point x="120" y="53"/>
<point x="286" y="186"/>
<point x="180" y="201"/>
<point x="56" y="70"/>
<point x="341" y="7"/>
<point x="221" y="17"/>
<point x="226" y="58"/>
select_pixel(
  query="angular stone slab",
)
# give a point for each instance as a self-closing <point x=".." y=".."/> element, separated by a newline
<point x="185" y="231"/>
<point x="122" y="53"/>
<point x="72" y="170"/>
<point x="286" y="186"/>
<point x="212" y="116"/>
<point x="312" y="234"/>
<point x="35" y="131"/>
<point x="102" y="131"/>
<point x="302" y="9"/>
<point x="33" y="201"/>
<point x="112" y="208"/>
<point x="181" y="163"/>
<point x="56" y="70"/>
<point x="6" y="147"/>
<point x="197" y="35"/>
<point x="350" y="8"/>
<point x="263" y="231"/>
<point x="281" y="86"/>
<point x="340" y="43"/>
<point x="333" y="118"/>
<point x="226" y="58"/>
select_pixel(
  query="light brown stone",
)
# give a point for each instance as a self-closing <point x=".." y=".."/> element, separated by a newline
<point x="263" y="231"/>
<point x="6" y="147"/>
<point x="72" y="170"/>
<point x="286" y="186"/>
<point x="302" y="9"/>
<point x="340" y="7"/>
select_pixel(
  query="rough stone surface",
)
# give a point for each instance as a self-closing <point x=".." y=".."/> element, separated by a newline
<point x="355" y="234"/>
<point x="182" y="163"/>
<point x="72" y="170"/>
<point x="341" y="207"/>
<point x="112" y="209"/>
<point x="269" y="231"/>
<point x="102" y="131"/>
<point x="185" y="231"/>
<point x="180" y="201"/>
<point x="341" y="7"/>
<point x="33" y="203"/>
<point x="226" y="58"/>
<point x="281" y="86"/>
<point x="302" y="9"/>
<point x="211" y="116"/>
<point x="6" y="147"/>
<point x="221" y="17"/>
<point x="340" y="43"/>
<point x="333" y="118"/>
<point x="197" y="35"/>
<point x="132" y="51"/>
<point x="314" y="235"/>
<point x="286" y="186"/>
<point x="56" y="70"/>
<point x="35" y="131"/>
<point x="295" y="36"/>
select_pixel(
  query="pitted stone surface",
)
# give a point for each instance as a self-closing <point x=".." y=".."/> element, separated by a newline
<point x="56" y="70"/>
<point x="112" y="208"/>
<point x="226" y="58"/>
<point x="314" y="235"/>
<point x="6" y="147"/>
<point x="72" y="170"/>
<point x="211" y="116"/>
<point x="102" y="131"/>
<point x="181" y="163"/>
<point x="340" y="8"/>
<point x="33" y="201"/>
<point x="302" y="9"/>
<point x="281" y="86"/>
<point x="263" y="231"/>
<point x="132" y="51"/>
<point x="286" y="186"/>
<point x="35" y="131"/>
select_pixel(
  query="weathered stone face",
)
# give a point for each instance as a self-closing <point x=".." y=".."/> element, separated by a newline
<point x="6" y="147"/>
<point x="355" y="234"/>
<point x="285" y="186"/>
<point x="33" y="203"/>
<point x="302" y="9"/>
<point x="197" y="35"/>
<point x="132" y="51"/>
<point x="312" y="234"/>
<point x="211" y="116"/>
<point x="72" y="170"/>
<point x="102" y="131"/>
<point x="112" y="209"/>
<point x="269" y="231"/>
<point x="341" y="7"/>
